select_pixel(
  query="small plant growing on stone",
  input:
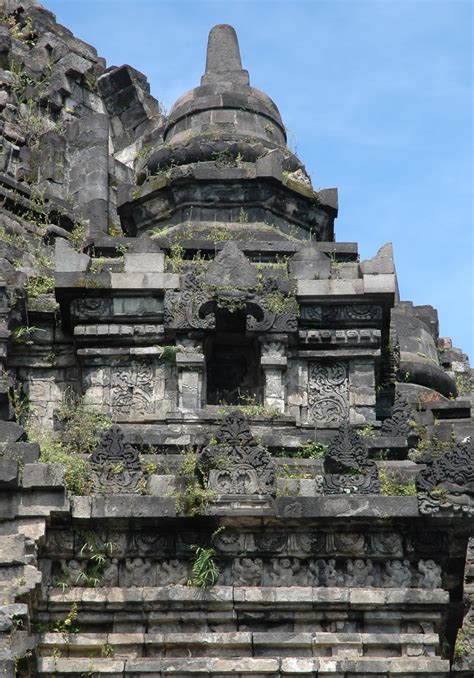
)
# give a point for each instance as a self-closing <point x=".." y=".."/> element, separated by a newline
<point x="107" y="650"/>
<point x="69" y="624"/>
<point x="168" y="353"/>
<point x="204" y="570"/>
<point x="19" y="402"/>
<point x="391" y="486"/>
<point x="195" y="497"/>
<point x="90" y="82"/>
<point x="243" y="216"/>
<point x="97" y="556"/>
<point x="39" y="284"/>
<point x="367" y="431"/>
<point x="81" y="429"/>
<point x="21" y="334"/>
<point x="430" y="447"/>
<point x="174" y="261"/>
<point x="78" y="236"/>
<point x="464" y="641"/>
<point x="310" y="450"/>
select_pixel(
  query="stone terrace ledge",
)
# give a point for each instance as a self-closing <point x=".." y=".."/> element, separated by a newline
<point x="428" y="667"/>
<point x="337" y="506"/>
<point x="241" y="597"/>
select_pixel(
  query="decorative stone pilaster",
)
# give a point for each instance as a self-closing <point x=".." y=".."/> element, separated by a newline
<point x="274" y="363"/>
<point x="190" y="364"/>
<point x="362" y="389"/>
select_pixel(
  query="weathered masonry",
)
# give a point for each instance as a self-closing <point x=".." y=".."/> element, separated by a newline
<point x="227" y="448"/>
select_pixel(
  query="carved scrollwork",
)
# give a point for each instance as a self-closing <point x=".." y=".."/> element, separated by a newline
<point x="348" y="470"/>
<point x="399" y="423"/>
<point x="328" y="392"/>
<point x="446" y="485"/>
<point x="115" y="465"/>
<point x="319" y="313"/>
<point x="237" y="465"/>
<point x="132" y="388"/>
<point x="86" y="308"/>
<point x="230" y="283"/>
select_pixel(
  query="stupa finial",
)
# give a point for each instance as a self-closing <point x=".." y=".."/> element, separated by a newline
<point x="223" y="60"/>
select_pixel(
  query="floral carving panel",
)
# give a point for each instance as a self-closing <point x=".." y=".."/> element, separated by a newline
<point x="132" y="388"/>
<point x="328" y="392"/>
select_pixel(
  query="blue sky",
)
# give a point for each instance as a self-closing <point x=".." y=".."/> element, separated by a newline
<point x="376" y="95"/>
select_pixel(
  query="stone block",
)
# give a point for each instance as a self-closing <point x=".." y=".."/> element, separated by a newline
<point x="8" y="505"/>
<point x="162" y="486"/>
<point x="384" y="283"/>
<point x="39" y="501"/>
<point x="152" y="507"/>
<point x="161" y="281"/>
<point x="310" y="288"/>
<point x="381" y="263"/>
<point x="244" y="596"/>
<point x="32" y="528"/>
<point x="143" y="262"/>
<point x="299" y="665"/>
<point x="310" y="487"/>
<point x="8" y="473"/>
<point x="367" y="597"/>
<point x="11" y="432"/>
<point x="81" y="507"/>
<point x="12" y="549"/>
<point x="43" y="475"/>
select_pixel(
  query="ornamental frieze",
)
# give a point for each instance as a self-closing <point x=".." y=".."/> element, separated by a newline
<point x="250" y="570"/>
<point x="320" y="313"/>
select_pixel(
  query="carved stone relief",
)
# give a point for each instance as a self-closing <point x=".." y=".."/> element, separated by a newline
<point x="236" y="464"/>
<point x="115" y="465"/>
<point x="132" y="388"/>
<point x="251" y="570"/>
<point x="347" y="466"/>
<point x="328" y="392"/>
<point x="446" y="485"/>
<point x="346" y="312"/>
<point x="230" y="283"/>
<point x="399" y="423"/>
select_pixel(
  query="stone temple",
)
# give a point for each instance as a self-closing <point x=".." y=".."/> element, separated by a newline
<point x="227" y="447"/>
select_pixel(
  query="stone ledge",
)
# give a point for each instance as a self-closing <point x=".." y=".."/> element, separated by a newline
<point x="245" y="665"/>
<point x="244" y="596"/>
<point x="122" y="506"/>
<point x="347" y="505"/>
<point x="239" y="639"/>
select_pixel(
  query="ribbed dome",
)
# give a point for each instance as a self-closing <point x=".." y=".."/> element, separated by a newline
<point x="223" y="112"/>
<point x="222" y="158"/>
<point x="225" y="100"/>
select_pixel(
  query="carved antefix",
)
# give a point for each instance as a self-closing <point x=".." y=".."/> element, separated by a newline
<point x="231" y="284"/>
<point x="446" y="485"/>
<point x="236" y="464"/>
<point x="399" y="424"/>
<point x="115" y="466"/>
<point x="348" y="470"/>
